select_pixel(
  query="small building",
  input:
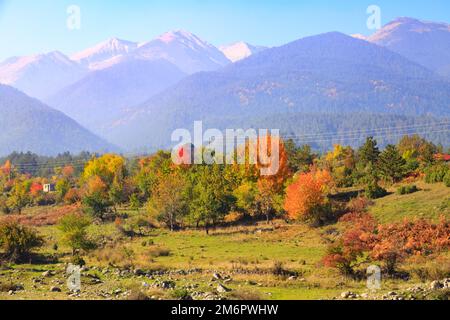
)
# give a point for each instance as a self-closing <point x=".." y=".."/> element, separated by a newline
<point x="49" y="187"/>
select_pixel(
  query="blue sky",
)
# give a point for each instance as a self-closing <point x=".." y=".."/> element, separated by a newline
<point x="33" y="26"/>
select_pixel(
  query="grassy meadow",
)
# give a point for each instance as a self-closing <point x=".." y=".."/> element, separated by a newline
<point x="276" y="261"/>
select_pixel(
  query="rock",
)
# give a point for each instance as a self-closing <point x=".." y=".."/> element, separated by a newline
<point x="436" y="285"/>
<point x="118" y="291"/>
<point x="10" y="292"/>
<point x="392" y="293"/>
<point x="292" y="278"/>
<point x="48" y="273"/>
<point x="138" y="272"/>
<point x="217" y="276"/>
<point x="222" y="289"/>
<point x="19" y="287"/>
<point x="167" y="284"/>
<point x="348" y="295"/>
<point x="55" y="289"/>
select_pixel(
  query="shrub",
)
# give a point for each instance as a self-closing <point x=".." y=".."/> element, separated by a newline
<point x="4" y="206"/>
<point x="278" y="269"/>
<point x="407" y="189"/>
<point x="181" y="294"/>
<point x="436" y="173"/>
<point x="359" y="204"/>
<point x="72" y="196"/>
<point x="434" y="270"/>
<point x="390" y="244"/>
<point x="138" y="295"/>
<point x="18" y="241"/>
<point x="158" y="252"/>
<point x="78" y="261"/>
<point x="242" y="294"/>
<point x="45" y="200"/>
<point x="447" y="179"/>
<point x="233" y="217"/>
<point x="374" y="191"/>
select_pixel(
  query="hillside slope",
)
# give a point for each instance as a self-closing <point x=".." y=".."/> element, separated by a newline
<point x="29" y="125"/>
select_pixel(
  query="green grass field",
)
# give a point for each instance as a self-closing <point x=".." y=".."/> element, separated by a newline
<point x="247" y="254"/>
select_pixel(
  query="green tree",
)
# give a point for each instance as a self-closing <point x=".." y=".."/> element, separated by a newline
<point x="96" y="204"/>
<point x="168" y="202"/>
<point x="369" y="152"/>
<point x="150" y="168"/>
<point x="116" y="193"/>
<point x="18" y="198"/>
<point x="299" y="158"/>
<point x="245" y="196"/>
<point x="62" y="187"/>
<point x="135" y="202"/>
<point x="391" y="164"/>
<point x="74" y="230"/>
<point x="210" y="198"/>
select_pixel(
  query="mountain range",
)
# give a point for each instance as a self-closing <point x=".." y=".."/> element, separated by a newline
<point x="41" y="75"/>
<point x="328" y="73"/>
<point x="29" y="125"/>
<point x="424" y="42"/>
<point x="134" y="94"/>
<point x="104" y="95"/>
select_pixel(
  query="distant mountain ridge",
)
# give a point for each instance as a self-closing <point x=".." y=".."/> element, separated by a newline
<point x="427" y="43"/>
<point x="44" y="75"/>
<point x="40" y="75"/>
<point x="104" y="95"/>
<point x="29" y="125"/>
<point x="329" y="73"/>
<point x="94" y="58"/>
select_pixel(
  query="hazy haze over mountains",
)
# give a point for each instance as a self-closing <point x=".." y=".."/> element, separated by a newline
<point x="104" y="95"/>
<point x="29" y="125"/>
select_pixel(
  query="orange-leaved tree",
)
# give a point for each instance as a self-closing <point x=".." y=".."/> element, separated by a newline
<point x="306" y="198"/>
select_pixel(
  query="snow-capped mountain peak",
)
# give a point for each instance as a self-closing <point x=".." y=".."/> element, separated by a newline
<point x="40" y="75"/>
<point x="240" y="50"/>
<point x="424" y="42"/>
<point x="104" y="51"/>
<point x="185" y="50"/>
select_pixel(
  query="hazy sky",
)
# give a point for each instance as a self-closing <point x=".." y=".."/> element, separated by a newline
<point x="33" y="26"/>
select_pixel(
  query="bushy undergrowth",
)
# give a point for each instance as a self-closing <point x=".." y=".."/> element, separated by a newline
<point x="403" y="190"/>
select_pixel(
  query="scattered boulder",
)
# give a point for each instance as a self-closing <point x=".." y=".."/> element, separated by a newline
<point x="48" y="274"/>
<point x="222" y="289"/>
<point x="217" y="276"/>
<point x="348" y="295"/>
<point x="55" y="289"/>
<point x="436" y="285"/>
